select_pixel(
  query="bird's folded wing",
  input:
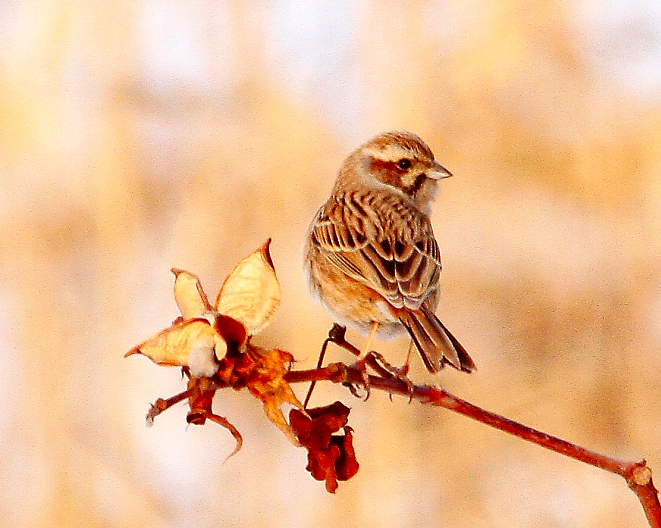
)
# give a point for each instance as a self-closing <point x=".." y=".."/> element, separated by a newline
<point x="401" y="264"/>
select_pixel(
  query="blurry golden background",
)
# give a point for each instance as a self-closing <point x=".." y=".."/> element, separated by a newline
<point x="140" y="136"/>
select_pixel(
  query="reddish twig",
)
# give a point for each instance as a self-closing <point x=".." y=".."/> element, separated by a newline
<point x="161" y="405"/>
<point x="320" y="362"/>
<point x="223" y="422"/>
<point x="637" y="474"/>
<point x="200" y="395"/>
<point x="201" y="391"/>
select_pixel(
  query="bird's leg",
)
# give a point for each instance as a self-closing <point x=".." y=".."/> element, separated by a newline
<point x="360" y="363"/>
<point x="368" y="343"/>
<point x="404" y="369"/>
<point x="401" y="373"/>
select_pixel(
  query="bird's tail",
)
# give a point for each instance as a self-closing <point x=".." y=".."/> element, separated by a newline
<point x="436" y="344"/>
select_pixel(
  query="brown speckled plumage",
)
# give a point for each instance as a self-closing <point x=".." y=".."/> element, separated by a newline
<point x="371" y="255"/>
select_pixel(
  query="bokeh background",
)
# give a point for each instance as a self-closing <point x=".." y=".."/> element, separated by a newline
<point x="145" y="135"/>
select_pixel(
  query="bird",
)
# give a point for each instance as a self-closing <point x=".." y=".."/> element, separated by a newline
<point x="370" y="253"/>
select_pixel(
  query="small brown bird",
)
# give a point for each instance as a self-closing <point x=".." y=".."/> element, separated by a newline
<point x="371" y="256"/>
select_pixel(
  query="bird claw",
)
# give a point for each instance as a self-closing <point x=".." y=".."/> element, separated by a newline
<point x="398" y="373"/>
<point x="361" y="366"/>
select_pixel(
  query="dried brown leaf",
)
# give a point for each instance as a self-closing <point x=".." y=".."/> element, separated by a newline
<point x="330" y="457"/>
<point x="347" y="464"/>
<point x="266" y="381"/>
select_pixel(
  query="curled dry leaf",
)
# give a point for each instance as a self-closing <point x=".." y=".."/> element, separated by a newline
<point x="330" y="457"/>
<point x="251" y="292"/>
<point x="194" y="344"/>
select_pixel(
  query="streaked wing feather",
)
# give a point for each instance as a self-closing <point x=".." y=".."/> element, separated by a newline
<point x="401" y="261"/>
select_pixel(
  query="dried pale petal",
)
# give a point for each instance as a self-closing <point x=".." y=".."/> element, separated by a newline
<point x="220" y="350"/>
<point x="275" y="414"/>
<point x="251" y="293"/>
<point x="189" y="344"/>
<point x="191" y="299"/>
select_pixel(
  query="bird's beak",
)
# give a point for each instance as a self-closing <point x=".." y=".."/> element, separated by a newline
<point x="438" y="171"/>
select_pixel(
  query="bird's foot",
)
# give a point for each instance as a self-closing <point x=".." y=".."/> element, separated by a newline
<point x="361" y="366"/>
<point x="398" y="373"/>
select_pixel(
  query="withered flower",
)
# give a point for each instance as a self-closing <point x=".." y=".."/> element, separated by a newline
<point x="330" y="457"/>
<point x="213" y="343"/>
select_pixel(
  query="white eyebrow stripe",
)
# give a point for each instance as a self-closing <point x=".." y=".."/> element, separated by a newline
<point x="390" y="153"/>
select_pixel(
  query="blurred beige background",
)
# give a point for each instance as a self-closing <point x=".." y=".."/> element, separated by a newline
<point x="140" y="136"/>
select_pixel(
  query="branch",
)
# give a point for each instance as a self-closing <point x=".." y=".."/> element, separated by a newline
<point x="637" y="474"/>
<point x="212" y="345"/>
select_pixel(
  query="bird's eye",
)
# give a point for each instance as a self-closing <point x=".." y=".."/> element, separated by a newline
<point x="404" y="164"/>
